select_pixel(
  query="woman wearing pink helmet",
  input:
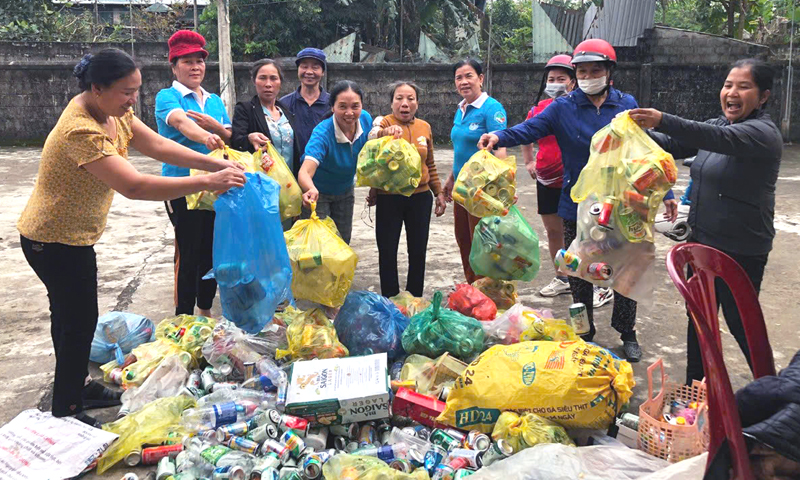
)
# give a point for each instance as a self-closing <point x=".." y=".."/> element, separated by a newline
<point x="546" y="168"/>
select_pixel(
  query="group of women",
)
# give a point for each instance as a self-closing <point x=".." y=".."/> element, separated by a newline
<point x="320" y="135"/>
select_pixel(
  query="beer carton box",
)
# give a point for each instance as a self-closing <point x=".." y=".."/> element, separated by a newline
<point x="340" y="390"/>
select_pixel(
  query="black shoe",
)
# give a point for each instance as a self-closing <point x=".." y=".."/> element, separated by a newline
<point x="91" y="421"/>
<point x="95" y="395"/>
<point x="632" y="351"/>
<point x="588" y="337"/>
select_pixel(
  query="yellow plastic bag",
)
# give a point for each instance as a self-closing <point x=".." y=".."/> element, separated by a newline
<point x="189" y="332"/>
<point x="155" y="421"/>
<point x="359" y="467"/>
<point x="525" y="431"/>
<point x="312" y="335"/>
<point x="486" y="184"/>
<point x="323" y="265"/>
<point x="503" y="293"/>
<point x="575" y="384"/>
<point x="148" y="357"/>
<point x="430" y="375"/>
<point x="205" y="200"/>
<point x="408" y="304"/>
<point x="630" y="174"/>
<point x="274" y="166"/>
<point x="389" y="164"/>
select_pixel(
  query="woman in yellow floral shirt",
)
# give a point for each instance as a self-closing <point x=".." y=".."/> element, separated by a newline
<point x="84" y="160"/>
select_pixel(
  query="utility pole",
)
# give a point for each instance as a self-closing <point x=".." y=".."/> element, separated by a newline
<point x="195" y="15"/>
<point x="227" y="86"/>
<point x="96" y="14"/>
<point x="489" y="54"/>
<point x="401" y="30"/>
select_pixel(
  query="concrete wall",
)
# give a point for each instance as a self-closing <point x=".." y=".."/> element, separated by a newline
<point x="35" y="87"/>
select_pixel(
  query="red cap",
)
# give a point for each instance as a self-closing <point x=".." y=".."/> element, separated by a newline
<point x="186" y="42"/>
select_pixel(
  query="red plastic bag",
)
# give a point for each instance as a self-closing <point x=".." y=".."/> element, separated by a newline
<point x="471" y="302"/>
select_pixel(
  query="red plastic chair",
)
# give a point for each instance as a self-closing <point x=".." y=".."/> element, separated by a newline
<point x="707" y="264"/>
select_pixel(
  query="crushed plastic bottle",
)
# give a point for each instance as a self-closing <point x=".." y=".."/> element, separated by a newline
<point x="264" y="400"/>
<point x="214" y="416"/>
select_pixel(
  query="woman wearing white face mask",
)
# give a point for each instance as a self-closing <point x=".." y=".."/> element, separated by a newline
<point x="573" y="119"/>
<point x="546" y="168"/>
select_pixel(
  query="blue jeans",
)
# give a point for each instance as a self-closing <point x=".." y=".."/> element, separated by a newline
<point x="339" y="208"/>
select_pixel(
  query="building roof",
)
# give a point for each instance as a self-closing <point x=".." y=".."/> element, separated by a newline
<point x="200" y="3"/>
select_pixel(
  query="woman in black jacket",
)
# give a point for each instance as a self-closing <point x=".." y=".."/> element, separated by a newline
<point x="264" y="118"/>
<point x="733" y="182"/>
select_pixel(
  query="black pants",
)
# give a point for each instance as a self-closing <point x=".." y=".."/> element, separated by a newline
<point x="194" y="232"/>
<point x="754" y="266"/>
<point x="623" y="318"/>
<point x="70" y="276"/>
<point x="391" y="212"/>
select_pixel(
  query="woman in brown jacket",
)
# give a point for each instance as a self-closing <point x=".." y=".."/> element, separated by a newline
<point x="392" y="211"/>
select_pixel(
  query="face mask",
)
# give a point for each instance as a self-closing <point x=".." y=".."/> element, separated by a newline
<point x="592" y="86"/>
<point x="555" y="90"/>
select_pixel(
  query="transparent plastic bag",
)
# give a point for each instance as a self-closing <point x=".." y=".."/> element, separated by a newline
<point x="251" y="263"/>
<point x="471" y="302"/>
<point x="431" y="375"/>
<point x="312" y="335"/>
<point x="273" y="165"/>
<point x="520" y="323"/>
<point x="630" y="174"/>
<point x="486" y="184"/>
<point x="408" y="304"/>
<point x="503" y="293"/>
<point x="505" y="248"/>
<point x="205" y="200"/>
<point x="167" y="380"/>
<point x="360" y="467"/>
<point x="148" y="357"/>
<point x="323" y="264"/>
<point x="525" y="431"/>
<point x="389" y="164"/>
<point x="575" y="384"/>
<point x="227" y="350"/>
<point x="437" y="330"/>
<point x="149" y="425"/>
<point x="369" y="323"/>
<point x="117" y="333"/>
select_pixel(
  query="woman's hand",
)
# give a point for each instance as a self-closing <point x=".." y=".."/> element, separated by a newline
<point x="372" y="197"/>
<point x="531" y="168"/>
<point x="225" y="179"/>
<point x="206" y="122"/>
<point x="257" y="140"/>
<point x="646" y="117"/>
<point x="488" y="141"/>
<point x="394" y="130"/>
<point x="214" y="142"/>
<point x="311" y="196"/>
<point x="441" y="205"/>
<point x="447" y="191"/>
<point x="672" y="209"/>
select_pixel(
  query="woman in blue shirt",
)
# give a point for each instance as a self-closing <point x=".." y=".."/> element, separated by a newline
<point x="477" y="114"/>
<point x="189" y="115"/>
<point x="329" y="166"/>
<point x="573" y="119"/>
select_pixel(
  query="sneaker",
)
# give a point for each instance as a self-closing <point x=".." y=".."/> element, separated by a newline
<point x="632" y="351"/>
<point x="601" y="296"/>
<point x="95" y="395"/>
<point x="554" y="288"/>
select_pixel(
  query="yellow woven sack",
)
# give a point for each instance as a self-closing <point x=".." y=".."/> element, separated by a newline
<point x="323" y="265"/>
<point x="527" y="430"/>
<point x="486" y="185"/>
<point x="274" y="166"/>
<point x="389" y="164"/>
<point x="205" y="200"/>
<point x="630" y="174"/>
<point x="575" y="384"/>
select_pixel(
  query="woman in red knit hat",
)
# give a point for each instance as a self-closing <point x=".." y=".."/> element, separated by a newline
<point x="195" y="118"/>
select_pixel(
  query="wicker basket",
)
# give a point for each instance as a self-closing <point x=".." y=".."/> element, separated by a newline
<point x="662" y="439"/>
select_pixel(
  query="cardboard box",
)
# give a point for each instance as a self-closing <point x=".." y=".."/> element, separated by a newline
<point x="418" y="407"/>
<point x="340" y="390"/>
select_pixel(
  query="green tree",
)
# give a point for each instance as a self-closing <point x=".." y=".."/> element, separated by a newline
<point x="42" y="20"/>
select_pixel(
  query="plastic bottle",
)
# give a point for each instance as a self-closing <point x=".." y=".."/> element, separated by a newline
<point x="214" y="416"/>
<point x="206" y="458"/>
<point x="387" y="453"/>
<point x="265" y="400"/>
<point x="276" y="376"/>
<point x="398" y="437"/>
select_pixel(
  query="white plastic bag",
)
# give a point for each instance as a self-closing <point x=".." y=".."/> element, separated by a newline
<point x="554" y="461"/>
<point x="165" y="381"/>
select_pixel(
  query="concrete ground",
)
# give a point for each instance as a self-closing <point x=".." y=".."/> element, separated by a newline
<point x="136" y="274"/>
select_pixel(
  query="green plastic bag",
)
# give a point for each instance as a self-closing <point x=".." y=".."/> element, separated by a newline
<point x="437" y="330"/>
<point x="505" y="248"/>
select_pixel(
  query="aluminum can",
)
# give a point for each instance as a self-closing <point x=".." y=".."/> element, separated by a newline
<point x="130" y="476"/>
<point x="293" y="442"/>
<point x="498" y="451"/>
<point x="434" y="457"/>
<point x="153" y="455"/>
<point x="133" y="458"/>
<point x="165" y="469"/>
<point x="207" y="380"/>
<point x="477" y="441"/>
<point x="312" y="468"/>
<point x="579" y="318"/>
<point x="234" y="472"/>
<point x="242" y="444"/>
<point x="462" y="473"/>
<point x="279" y="449"/>
<point x="460" y="455"/>
<point x="348" y="430"/>
<point x="339" y="443"/>
<point x="268" y="473"/>
<point x="444" y="439"/>
<point x="249" y="370"/>
<point x="457" y="434"/>
<point x="600" y="271"/>
<point x="291" y="473"/>
<point x="227" y="431"/>
<point x="289" y="422"/>
<point x="366" y="436"/>
<point x="401" y="464"/>
<point x="116" y="376"/>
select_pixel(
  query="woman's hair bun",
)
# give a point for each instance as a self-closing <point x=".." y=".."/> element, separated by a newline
<point x="82" y="66"/>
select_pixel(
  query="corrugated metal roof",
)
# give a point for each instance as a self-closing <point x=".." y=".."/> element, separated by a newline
<point x="547" y="39"/>
<point x="620" y="22"/>
<point x="568" y="22"/>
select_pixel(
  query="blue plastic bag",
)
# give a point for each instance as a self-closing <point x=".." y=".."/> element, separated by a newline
<point x="118" y="333"/>
<point x="251" y="264"/>
<point x="369" y="323"/>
